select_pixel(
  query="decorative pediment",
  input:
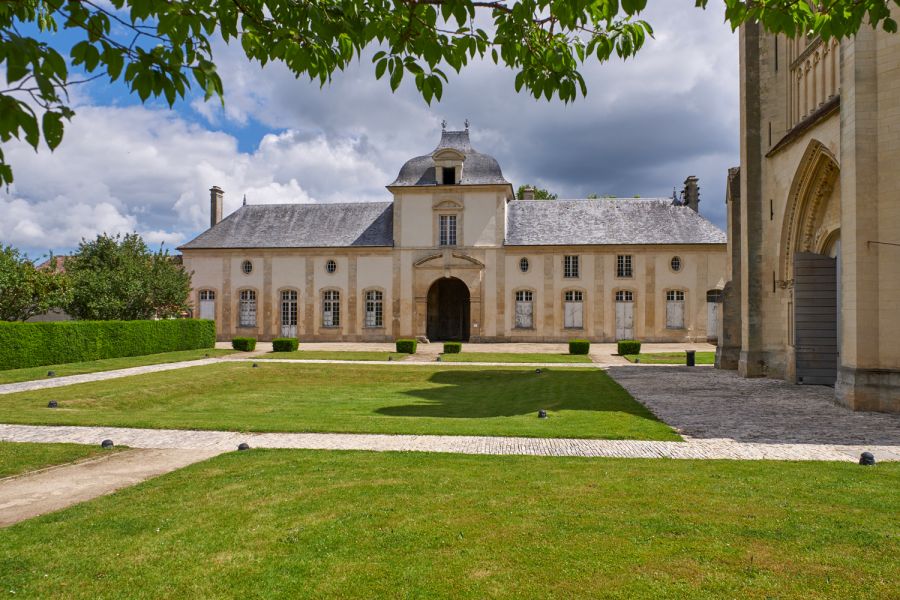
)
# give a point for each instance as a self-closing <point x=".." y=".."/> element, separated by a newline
<point x="448" y="154"/>
<point x="447" y="204"/>
<point x="449" y="260"/>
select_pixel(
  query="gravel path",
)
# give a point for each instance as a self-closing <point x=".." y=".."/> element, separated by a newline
<point x="220" y="441"/>
<point x="711" y="403"/>
<point x="52" y="489"/>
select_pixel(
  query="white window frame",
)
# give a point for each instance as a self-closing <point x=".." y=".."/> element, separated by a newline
<point x="207" y="294"/>
<point x="624" y="266"/>
<point x="448" y="230"/>
<point x="374" y="317"/>
<point x="289" y="304"/>
<point x="331" y="309"/>
<point x="573" y="309"/>
<point x="676" y="264"/>
<point x="524" y="306"/>
<point x="674" y="298"/>
<point x="571" y="266"/>
<point x="247" y="309"/>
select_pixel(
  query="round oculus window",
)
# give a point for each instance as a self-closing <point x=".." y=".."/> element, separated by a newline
<point x="523" y="265"/>
<point x="676" y="263"/>
<point x="331" y="266"/>
<point x="247" y="267"/>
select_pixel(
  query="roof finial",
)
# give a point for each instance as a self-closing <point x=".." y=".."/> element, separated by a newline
<point x="443" y="124"/>
<point x="245" y="199"/>
<point x="467" y="124"/>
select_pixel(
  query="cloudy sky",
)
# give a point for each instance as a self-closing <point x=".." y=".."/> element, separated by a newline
<point x="645" y="125"/>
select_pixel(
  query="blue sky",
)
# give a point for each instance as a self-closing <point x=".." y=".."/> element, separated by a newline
<point x="645" y="125"/>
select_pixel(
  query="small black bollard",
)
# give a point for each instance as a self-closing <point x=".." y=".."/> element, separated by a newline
<point x="106" y="444"/>
<point x="690" y="359"/>
<point x="538" y="371"/>
<point x="255" y="366"/>
<point x="542" y="414"/>
<point x="52" y="404"/>
<point x="243" y="446"/>
<point x="438" y="359"/>
<point x="867" y="459"/>
<point x="51" y="373"/>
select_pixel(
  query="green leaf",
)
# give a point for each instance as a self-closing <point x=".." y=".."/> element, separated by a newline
<point x="53" y="129"/>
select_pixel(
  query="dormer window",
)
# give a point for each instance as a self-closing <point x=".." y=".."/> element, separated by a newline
<point x="448" y="176"/>
<point x="448" y="166"/>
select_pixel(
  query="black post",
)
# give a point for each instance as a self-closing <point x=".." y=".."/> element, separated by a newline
<point x="690" y="360"/>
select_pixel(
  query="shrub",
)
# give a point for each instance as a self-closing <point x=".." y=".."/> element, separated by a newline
<point x="285" y="344"/>
<point x="629" y="347"/>
<point x="244" y="344"/>
<point x="579" y="346"/>
<point x="36" y="344"/>
<point x="452" y="347"/>
<point x="406" y="346"/>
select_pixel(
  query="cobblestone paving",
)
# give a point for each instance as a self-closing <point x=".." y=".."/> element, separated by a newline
<point x="711" y="404"/>
<point x="223" y="441"/>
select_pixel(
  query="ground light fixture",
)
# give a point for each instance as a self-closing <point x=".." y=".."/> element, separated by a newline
<point x="538" y="371"/>
<point x="51" y="373"/>
<point x="243" y="446"/>
<point x="867" y="459"/>
<point x="106" y="444"/>
<point x="255" y="366"/>
<point x="542" y="414"/>
<point x="438" y="359"/>
<point x="52" y="404"/>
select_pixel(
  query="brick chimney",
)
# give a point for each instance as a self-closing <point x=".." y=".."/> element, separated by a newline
<point x="216" y="199"/>
<point x="691" y="193"/>
<point x="528" y="193"/>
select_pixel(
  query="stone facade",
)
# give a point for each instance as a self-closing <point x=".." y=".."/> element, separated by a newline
<point x="820" y="145"/>
<point x="406" y="269"/>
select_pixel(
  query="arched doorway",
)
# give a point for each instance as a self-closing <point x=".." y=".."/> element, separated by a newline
<point x="448" y="310"/>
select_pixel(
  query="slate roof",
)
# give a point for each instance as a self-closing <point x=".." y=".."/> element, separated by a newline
<point x="302" y="226"/>
<point x="606" y="221"/>
<point x="478" y="168"/>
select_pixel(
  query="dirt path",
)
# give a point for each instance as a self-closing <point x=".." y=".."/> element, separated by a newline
<point x="48" y="490"/>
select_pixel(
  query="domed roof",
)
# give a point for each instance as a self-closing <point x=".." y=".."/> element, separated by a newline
<point x="478" y="168"/>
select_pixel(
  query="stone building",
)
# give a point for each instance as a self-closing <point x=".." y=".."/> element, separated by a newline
<point x="454" y="256"/>
<point x="814" y="216"/>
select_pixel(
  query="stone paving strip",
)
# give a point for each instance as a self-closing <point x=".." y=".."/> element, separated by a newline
<point x="32" y="494"/>
<point x="40" y="384"/>
<point x="221" y="441"/>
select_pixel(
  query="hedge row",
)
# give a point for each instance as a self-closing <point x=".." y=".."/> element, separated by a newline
<point x="37" y="344"/>
<point x="285" y="345"/>
<point x="406" y="346"/>
<point x="579" y="346"/>
<point x="629" y="347"/>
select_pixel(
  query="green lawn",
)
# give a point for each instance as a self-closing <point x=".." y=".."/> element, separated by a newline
<point x="511" y="357"/>
<point x="336" y="355"/>
<point x="307" y="524"/>
<point x="106" y="364"/>
<point x="459" y="400"/>
<point x="16" y="458"/>
<point x="673" y="358"/>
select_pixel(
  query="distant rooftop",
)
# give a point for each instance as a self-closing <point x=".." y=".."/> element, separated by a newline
<point x="478" y="168"/>
<point x="606" y="221"/>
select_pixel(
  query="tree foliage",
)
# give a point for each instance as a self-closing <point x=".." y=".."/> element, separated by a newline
<point x="539" y="193"/>
<point x="25" y="290"/>
<point x="119" y="278"/>
<point x="161" y="48"/>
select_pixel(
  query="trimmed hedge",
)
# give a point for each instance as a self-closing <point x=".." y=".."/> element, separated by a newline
<point x="406" y="346"/>
<point x="285" y="344"/>
<point x="579" y="346"/>
<point x="244" y="344"/>
<point x="452" y="347"/>
<point x="37" y="344"/>
<point x="629" y="347"/>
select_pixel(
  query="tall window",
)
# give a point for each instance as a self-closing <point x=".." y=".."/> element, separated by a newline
<point x="524" y="309"/>
<point x="675" y="309"/>
<point x="624" y="266"/>
<point x="573" y="305"/>
<point x="331" y="309"/>
<point x="289" y="313"/>
<point x="207" y="304"/>
<point x="570" y="267"/>
<point x="448" y="230"/>
<point x="247" y="309"/>
<point x="374" y="309"/>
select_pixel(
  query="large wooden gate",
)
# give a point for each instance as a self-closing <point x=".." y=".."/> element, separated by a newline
<point x="815" y="318"/>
